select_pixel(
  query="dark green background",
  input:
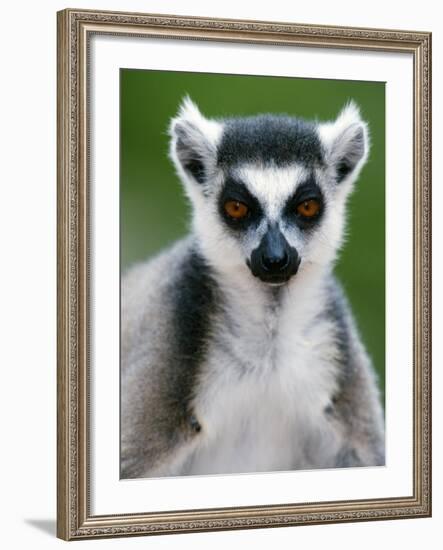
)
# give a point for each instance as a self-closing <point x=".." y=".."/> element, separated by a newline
<point x="154" y="212"/>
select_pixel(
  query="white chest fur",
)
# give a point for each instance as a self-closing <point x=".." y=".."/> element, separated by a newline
<point x="262" y="400"/>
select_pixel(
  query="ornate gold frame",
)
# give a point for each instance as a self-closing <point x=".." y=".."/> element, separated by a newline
<point x="75" y="27"/>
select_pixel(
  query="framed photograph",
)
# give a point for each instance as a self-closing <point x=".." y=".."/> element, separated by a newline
<point x="243" y="274"/>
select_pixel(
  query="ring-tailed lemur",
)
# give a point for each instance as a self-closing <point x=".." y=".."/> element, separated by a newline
<point x="239" y="351"/>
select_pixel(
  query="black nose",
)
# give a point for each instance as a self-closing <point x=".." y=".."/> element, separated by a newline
<point x="274" y="251"/>
<point x="275" y="261"/>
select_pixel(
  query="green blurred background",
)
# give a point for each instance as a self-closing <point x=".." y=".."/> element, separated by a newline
<point x="154" y="212"/>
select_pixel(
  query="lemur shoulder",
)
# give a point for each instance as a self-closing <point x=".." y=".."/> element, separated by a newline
<point x="239" y="349"/>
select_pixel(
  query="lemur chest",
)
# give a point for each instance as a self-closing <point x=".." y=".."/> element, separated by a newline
<point x="265" y="411"/>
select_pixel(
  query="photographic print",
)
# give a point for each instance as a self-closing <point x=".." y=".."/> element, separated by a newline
<point x="243" y="274"/>
<point x="253" y="273"/>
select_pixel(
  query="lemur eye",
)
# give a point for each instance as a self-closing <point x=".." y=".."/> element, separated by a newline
<point x="236" y="209"/>
<point x="309" y="208"/>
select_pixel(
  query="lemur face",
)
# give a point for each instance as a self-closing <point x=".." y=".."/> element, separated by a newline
<point x="268" y="192"/>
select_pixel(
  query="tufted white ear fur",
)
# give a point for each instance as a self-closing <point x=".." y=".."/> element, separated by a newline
<point x="346" y="142"/>
<point x="193" y="146"/>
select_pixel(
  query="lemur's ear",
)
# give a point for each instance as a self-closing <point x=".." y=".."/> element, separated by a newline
<point x="346" y="141"/>
<point x="194" y="141"/>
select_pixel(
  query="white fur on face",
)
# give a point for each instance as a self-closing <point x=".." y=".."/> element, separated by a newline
<point x="344" y="140"/>
<point x="272" y="185"/>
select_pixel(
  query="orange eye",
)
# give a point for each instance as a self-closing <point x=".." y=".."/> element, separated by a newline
<point x="309" y="208"/>
<point x="236" y="209"/>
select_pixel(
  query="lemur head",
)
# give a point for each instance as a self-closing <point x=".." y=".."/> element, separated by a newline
<point x="268" y="192"/>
